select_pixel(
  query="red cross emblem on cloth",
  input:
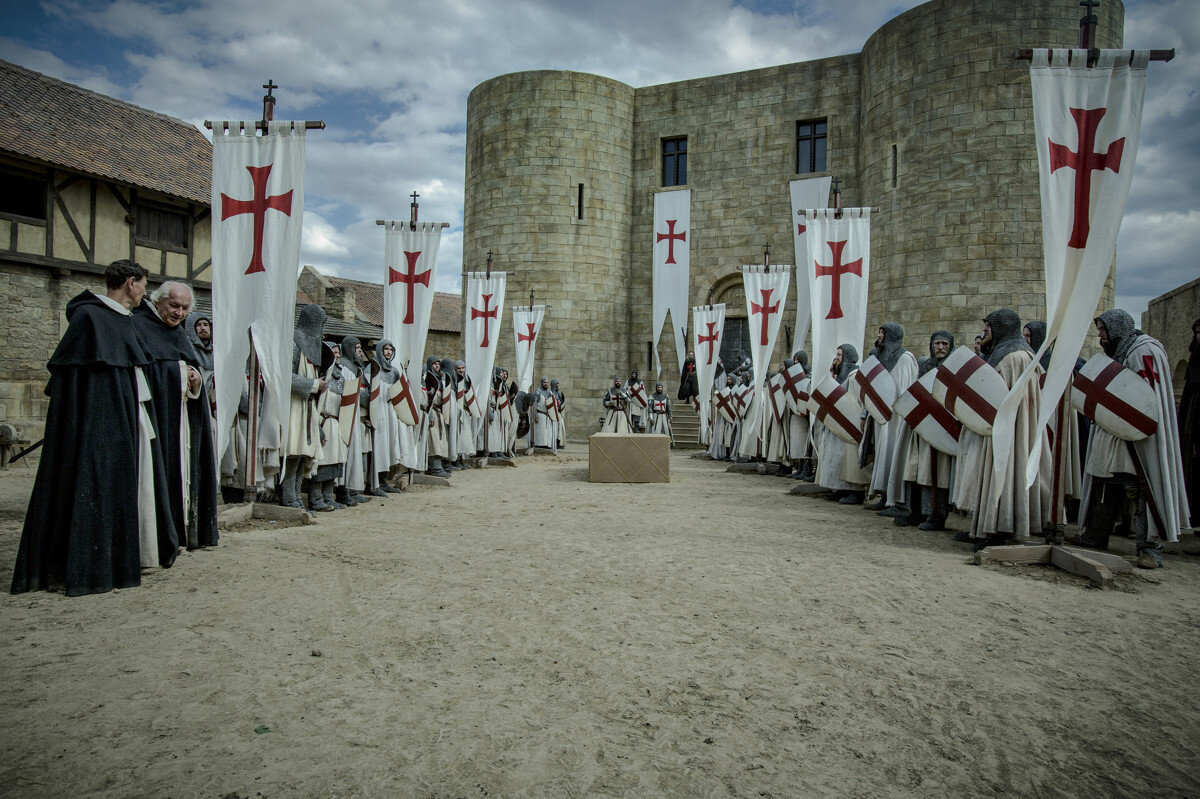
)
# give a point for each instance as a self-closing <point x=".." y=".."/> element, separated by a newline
<point x="1096" y="393"/>
<point x="1084" y="162"/>
<point x="671" y="237"/>
<point x="1149" y="374"/>
<point x="410" y="278"/>
<point x="709" y="339"/>
<point x="928" y="407"/>
<point x="486" y="315"/>
<point x="868" y="389"/>
<point x="957" y="389"/>
<point x="258" y="208"/>
<point x="723" y="402"/>
<point x="405" y="396"/>
<point x="765" y="311"/>
<point x="835" y="271"/>
<point x="530" y="336"/>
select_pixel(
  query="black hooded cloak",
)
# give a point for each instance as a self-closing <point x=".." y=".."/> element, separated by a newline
<point x="81" y="529"/>
<point x="167" y="346"/>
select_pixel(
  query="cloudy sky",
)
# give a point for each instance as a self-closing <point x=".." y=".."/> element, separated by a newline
<point x="391" y="78"/>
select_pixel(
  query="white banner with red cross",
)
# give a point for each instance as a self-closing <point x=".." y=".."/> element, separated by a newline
<point x="409" y="268"/>
<point x="1087" y="122"/>
<point x="806" y="193"/>
<point x="875" y="389"/>
<point x="766" y="300"/>
<point x="708" y="327"/>
<point x="481" y="331"/>
<point x="838" y="266"/>
<point x="258" y="216"/>
<point x="672" y="267"/>
<point x="921" y="411"/>
<point x="1116" y="398"/>
<point x="527" y="326"/>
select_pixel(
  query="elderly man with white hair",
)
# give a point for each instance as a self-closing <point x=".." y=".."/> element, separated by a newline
<point x="180" y="413"/>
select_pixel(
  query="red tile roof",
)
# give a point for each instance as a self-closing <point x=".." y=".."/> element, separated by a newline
<point x="67" y="126"/>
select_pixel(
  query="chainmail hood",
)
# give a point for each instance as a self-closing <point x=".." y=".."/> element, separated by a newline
<point x="388" y="371"/>
<point x="203" y="351"/>
<point x="931" y="363"/>
<point x="310" y="332"/>
<point x="1006" y="336"/>
<point x="892" y="347"/>
<point x="849" y="362"/>
<point x="349" y="356"/>
<point x="1122" y="333"/>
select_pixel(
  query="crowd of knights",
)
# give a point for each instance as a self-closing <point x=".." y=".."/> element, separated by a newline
<point x="130" y="475"/>
<point x="915" y="484"/>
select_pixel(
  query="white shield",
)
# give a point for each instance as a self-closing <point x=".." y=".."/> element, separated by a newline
<point x="874" y="389"/>
<point x="1116" y="398"/>
<point x="969" y="389"/>
<point x="837" y="409"/>
<point x="928" y="417"/>
<point x="403" y="402"/>
<point x="348" y="412"/>
<point x="727" y="405"/>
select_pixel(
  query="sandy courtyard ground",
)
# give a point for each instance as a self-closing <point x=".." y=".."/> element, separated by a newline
<point x="527" y="633"/>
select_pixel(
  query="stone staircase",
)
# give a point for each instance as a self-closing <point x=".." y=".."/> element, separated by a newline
<point x="685" y="424"/>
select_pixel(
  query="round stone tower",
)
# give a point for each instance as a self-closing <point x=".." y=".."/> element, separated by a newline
<point x="538" y="145"/>
<point x="947" y="153"/>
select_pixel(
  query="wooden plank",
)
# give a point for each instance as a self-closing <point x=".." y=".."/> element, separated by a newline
<point x="232" y="514"/>
<point x="62" y="206"/>
<point x="1115" y="563"/>
<point x="429" y="480"/>
<point x="280" y="513"/>
<point x="116" y="193"/>
<point x="1014" y="554"/>
<point x="1082" y="565"/>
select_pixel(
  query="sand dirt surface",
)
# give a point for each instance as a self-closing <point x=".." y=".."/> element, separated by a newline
<point x="524" y="633"/>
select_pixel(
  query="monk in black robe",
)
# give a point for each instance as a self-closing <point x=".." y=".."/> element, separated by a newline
<point x="82" y="528"/>
<point x="178" y="390"/>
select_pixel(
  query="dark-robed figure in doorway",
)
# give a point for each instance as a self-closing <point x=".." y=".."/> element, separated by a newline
<point x="180" y="413"/>
<point x="689" y="385"/>
<point x="98" y="492"/>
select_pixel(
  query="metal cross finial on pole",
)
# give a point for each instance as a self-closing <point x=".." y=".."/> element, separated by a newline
<point x="412" y="219"/>
<point x="1087" y="30"/>
<point x="489" y="265"/>
<point x="767" y="255"/>
<point x="269" y="101"/>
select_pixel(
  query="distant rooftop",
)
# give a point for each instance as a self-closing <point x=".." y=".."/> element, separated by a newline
<point x="67" y="126"/>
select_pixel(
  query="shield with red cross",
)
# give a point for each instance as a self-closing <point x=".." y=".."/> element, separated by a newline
<point x="637" y="392"/>
<point x="927" y="417"/>
<point x="552" y="410"/>
<point x="778" y="400"/>
<point x="970" y="389"/>
<point x="795" y="384"/>
<point x="874" y="389"/>
<point x="403" y="402"/>
<point x="1115" y="398"/>
<point x="837" y="409"/>
<point x="471" y="403"/>
<point x="726" y="404"/>
<point x="348" y="411"/>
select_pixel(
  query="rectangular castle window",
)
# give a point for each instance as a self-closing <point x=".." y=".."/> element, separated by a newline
<point x="579" y="203"/>
<point x="22" y="195"/>
<point x="811" y="138"/>
<point x="674" y="161"/>
<point x="159" y="227"/>
<point x="895" y="167"/>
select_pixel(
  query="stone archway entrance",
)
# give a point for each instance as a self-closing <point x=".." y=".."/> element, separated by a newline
<point x="729" y="290"/>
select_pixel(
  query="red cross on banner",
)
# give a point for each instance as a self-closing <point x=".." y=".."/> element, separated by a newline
<point x="1084" y="162"/>
<point x="486" y="315"/>
<point x="709" y="339"/>
<point x="258" y="208"/>
<point x="529" y="336"/>
<point x="835" y="271"/>
<point x="671" y="237"/>
<point x="411" y="279"/>
<point x="765" y="310"/>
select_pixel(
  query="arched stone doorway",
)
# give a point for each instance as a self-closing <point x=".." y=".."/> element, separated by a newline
<point x="730" y="290"/>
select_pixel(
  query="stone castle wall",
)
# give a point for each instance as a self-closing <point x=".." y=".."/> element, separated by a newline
<point x="962" y="221"/>
<point x="935" y="95"/>
<point x="532" y="138"/>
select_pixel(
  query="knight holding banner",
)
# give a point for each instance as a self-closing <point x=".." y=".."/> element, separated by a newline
<point x="1113" y="488"/>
